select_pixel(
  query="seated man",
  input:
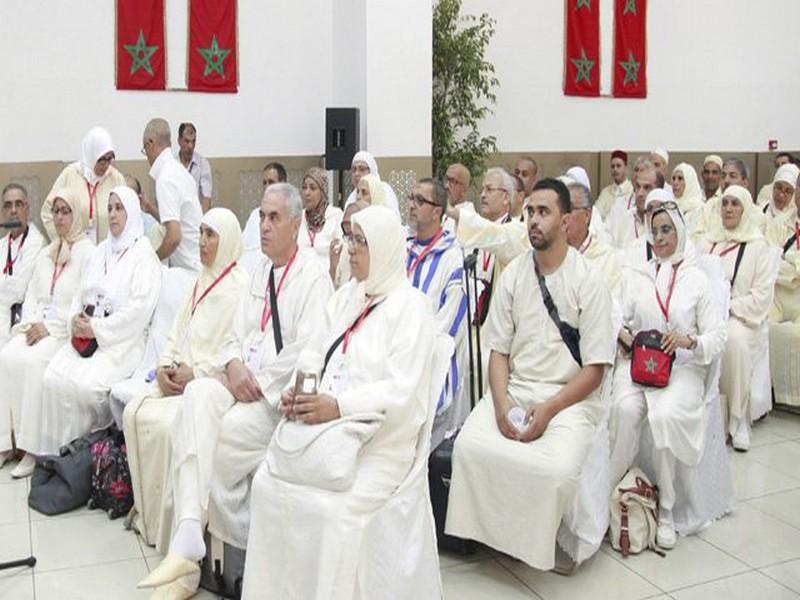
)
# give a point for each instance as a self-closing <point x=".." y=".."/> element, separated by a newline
<point x="273" y="172"/>
<point x="529" y="464"/>
<point x="626" y="222"/>
<point x="222" y="427"/>
<point x="19" y="250"/>
<point x="435" y="266"/>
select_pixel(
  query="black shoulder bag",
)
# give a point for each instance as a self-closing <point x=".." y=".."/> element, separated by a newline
<point x="739" y="256"/>
<point x="569" y="334"/>
<point x="276" y="320"/>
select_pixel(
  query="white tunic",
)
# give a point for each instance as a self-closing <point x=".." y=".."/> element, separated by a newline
<point x="611" y="195"/>
<point x="509" y="495"/>
<point x="75" y="395"/>
<point x="306" y="542"/>
<point x="14" y="284"/>
<point x="321" y="241"/>
<point x="22" y="366"/>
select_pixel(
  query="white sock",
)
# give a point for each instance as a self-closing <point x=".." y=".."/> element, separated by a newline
<point x="188" y="540"/>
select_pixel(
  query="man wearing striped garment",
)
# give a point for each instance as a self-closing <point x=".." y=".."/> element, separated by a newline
<point x="435" y="266"/>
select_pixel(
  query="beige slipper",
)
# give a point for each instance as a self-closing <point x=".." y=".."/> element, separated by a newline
<point x="180" y="589"/>
<point x="172" y="568"/>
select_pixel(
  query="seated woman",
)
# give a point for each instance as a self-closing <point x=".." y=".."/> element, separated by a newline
<point x="319" y="225"/>
<point x="195" y="339"/>
<point x="305" y="541"/>
<point x="370" y="189"/>
<point x="43" y="329"/>
<point x="737" y="239"/>
<point x="689" y="196"/>
<point x="110" y="312"/>
<point x="669" y="293"/>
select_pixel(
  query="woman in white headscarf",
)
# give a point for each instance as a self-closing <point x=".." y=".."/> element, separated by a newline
<point x="91" y="179"/>
<point x="668" y="293"/>
<point x="112" y="309"/>
<point x="364" y="164"/>
<point x="747" y="262"/>
<point x="781" y="211"/>
<point x="320" y="222"/>
<point x="689" y="196"/>
<point x="42" y="330"/>
<point x="305" y="541"/>
<point x="202" y="324"/>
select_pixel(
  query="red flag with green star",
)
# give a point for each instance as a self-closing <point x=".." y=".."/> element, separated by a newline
<point x="140" y="45"/>
<point x="630" y="48"/>
<point x="582" y="59"/>
<point x="212" y="46"/>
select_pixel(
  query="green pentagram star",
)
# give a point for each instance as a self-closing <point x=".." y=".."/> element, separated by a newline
<point x="583" y="3"/>
<point x="214" y="57"/>
<point x="630" y="7"/>
<point x="141" y="54"/>
<point x="584" y="66"/>
<point x="631" y="67"/>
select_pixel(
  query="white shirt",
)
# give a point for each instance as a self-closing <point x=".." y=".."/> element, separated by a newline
<point x="176" y="192"/>
<point x="200" y="169"/>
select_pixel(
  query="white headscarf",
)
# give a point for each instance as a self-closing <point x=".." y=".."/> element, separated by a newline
<point x="580" y="176"/>
<point x="133" y="225"/>
<point x="787" y="173"/>
<point x="749" y="227"/>
<point x="377" y="192"/>
<point x="387" y="249"/>
<point x="663" y="275"/>
<point x="692" y="197"/>
<point x="366" y="157"/>
<point x="60" y="248"/>
<point x="226" y="226"/>
<point x="96" y="143"/>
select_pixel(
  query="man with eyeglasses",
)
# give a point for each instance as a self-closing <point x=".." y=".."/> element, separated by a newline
<point x="435" y="266"/>
<point x="19" y="250"/>
<point x="178" y="208"/>
<point x="195" y="163"/>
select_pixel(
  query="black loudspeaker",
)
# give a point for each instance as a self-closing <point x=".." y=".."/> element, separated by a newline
<point x="341" y="137"/>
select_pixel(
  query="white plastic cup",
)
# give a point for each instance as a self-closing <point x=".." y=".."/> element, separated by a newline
<point x="516" y="416"/>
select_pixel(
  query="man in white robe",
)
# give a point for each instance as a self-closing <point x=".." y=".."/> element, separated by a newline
<point x="435" y="266"/>
<point x="515" y="475"/>
<point x="456" y="182"/>
<point x="660" y="159"/>
<point x="273" y="172"/>
<point x="712" y="177"/>
<point x="19" y="250"/>
<point x="223" y="426"/>
<point x="626" y="223"/>
<point x="178" y="209"/>
<point x="620" y="188"/>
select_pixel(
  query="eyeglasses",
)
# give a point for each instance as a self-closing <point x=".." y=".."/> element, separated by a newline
<point x="62" y="211"/>
<point x="356" y="241"/>
<point x="107" y="158"/>
<point x="669" y="205"/>
<point x="488" y="189"/>
<point x="419" y="200"/>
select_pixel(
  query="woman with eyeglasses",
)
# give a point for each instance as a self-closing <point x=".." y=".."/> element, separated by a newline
<point x="43" y="329"/>
<point x="688" y="195"/>
<point x="306" y="539"/>
<point x="672" y="295"/>
<point x="320" y="222"/>
<point x="339" y="262"/>
<point x="736" y="237"/>
<point x="91" y="180"/>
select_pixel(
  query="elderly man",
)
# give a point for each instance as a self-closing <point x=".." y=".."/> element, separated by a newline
<point x="660" y="159"/>
<point x="626" y="226"/>
<point x="435" y="266"/>
<point x="712" y="177"/>
<point x="518" y="457"/>
<point x="765" y="193"/>
<point x="224" y="424"/>
<point x="19" y="251"/>
<point x="273" y="172"/>
<point x="527" y="169"/>
<point x="178" y="208"/>
<point x="620" y="188"/>
<point x="456" y="182"/>
<point x="195" y="163"/>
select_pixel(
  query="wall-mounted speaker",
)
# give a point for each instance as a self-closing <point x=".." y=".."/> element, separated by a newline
<point x="341" y="137"/>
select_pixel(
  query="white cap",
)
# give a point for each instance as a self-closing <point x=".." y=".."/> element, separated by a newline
<point x="662" y="153"/>
<point x="787" y="173"/>
<point x="579" y="175"/>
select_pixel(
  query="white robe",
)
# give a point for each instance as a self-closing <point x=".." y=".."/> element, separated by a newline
<point x="75" y="395"/>
<point x="215" y="434"/>
<point x="440" y="276"/>
<point x="22" y="366"/>
<point x="321" y="241"/>
<point x="14" y="286"/>
<point x="784" y="329"/>
<point x="623" y="225"/>
<point x="611" y="195"/>
<point x="506" y="494"/>
<point x="306" y="542"/>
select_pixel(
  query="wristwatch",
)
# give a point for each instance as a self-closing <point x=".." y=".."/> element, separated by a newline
<point x="692" y="342"/>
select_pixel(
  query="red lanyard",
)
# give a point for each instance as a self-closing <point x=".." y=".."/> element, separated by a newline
<point x="727" y="250"/>
<point x="356" y="324"/>
<point x="585" y="245"/>
<point x="266" y="314"/>
<point x="92" y="192"/>
<point x="9" y="268"/>
<point x="665" y="307"/>
<point x="207" y="291"/>
<point x="425" y="251"/>
<point x="311" y="236"/>
<point x="56" y="274"/>
<point x="487" y="257"/>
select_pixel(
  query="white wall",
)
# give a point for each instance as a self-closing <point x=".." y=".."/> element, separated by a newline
<point x="294" y="60"/>
<point x="721" y="74"/>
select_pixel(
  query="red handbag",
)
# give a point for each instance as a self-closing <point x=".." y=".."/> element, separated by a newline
<point x="85" y="346"/>
<point x="650" y="365"/>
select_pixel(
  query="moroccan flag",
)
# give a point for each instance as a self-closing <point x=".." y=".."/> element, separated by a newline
<point x="212" y="46"/>
<point x="582" y="59"/>
<point x="140" y="45"/>
<point x="630" y="48"/>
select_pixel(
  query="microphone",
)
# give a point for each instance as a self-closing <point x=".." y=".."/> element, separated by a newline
<point x="11" y="225"/>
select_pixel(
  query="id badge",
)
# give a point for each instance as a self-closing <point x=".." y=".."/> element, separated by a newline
<point x="338" y="376"/>
<point x="253" y="359"/>
<point x="49" y="312"/>
<point x="91" y="233"/>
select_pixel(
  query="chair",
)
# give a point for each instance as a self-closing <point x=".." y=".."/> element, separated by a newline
<point x="703" y="493"/>
<point x="761" y="383"/>
<point x="399" y="554"/>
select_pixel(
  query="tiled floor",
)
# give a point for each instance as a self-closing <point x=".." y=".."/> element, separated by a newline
<point x="752" y="554"/>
